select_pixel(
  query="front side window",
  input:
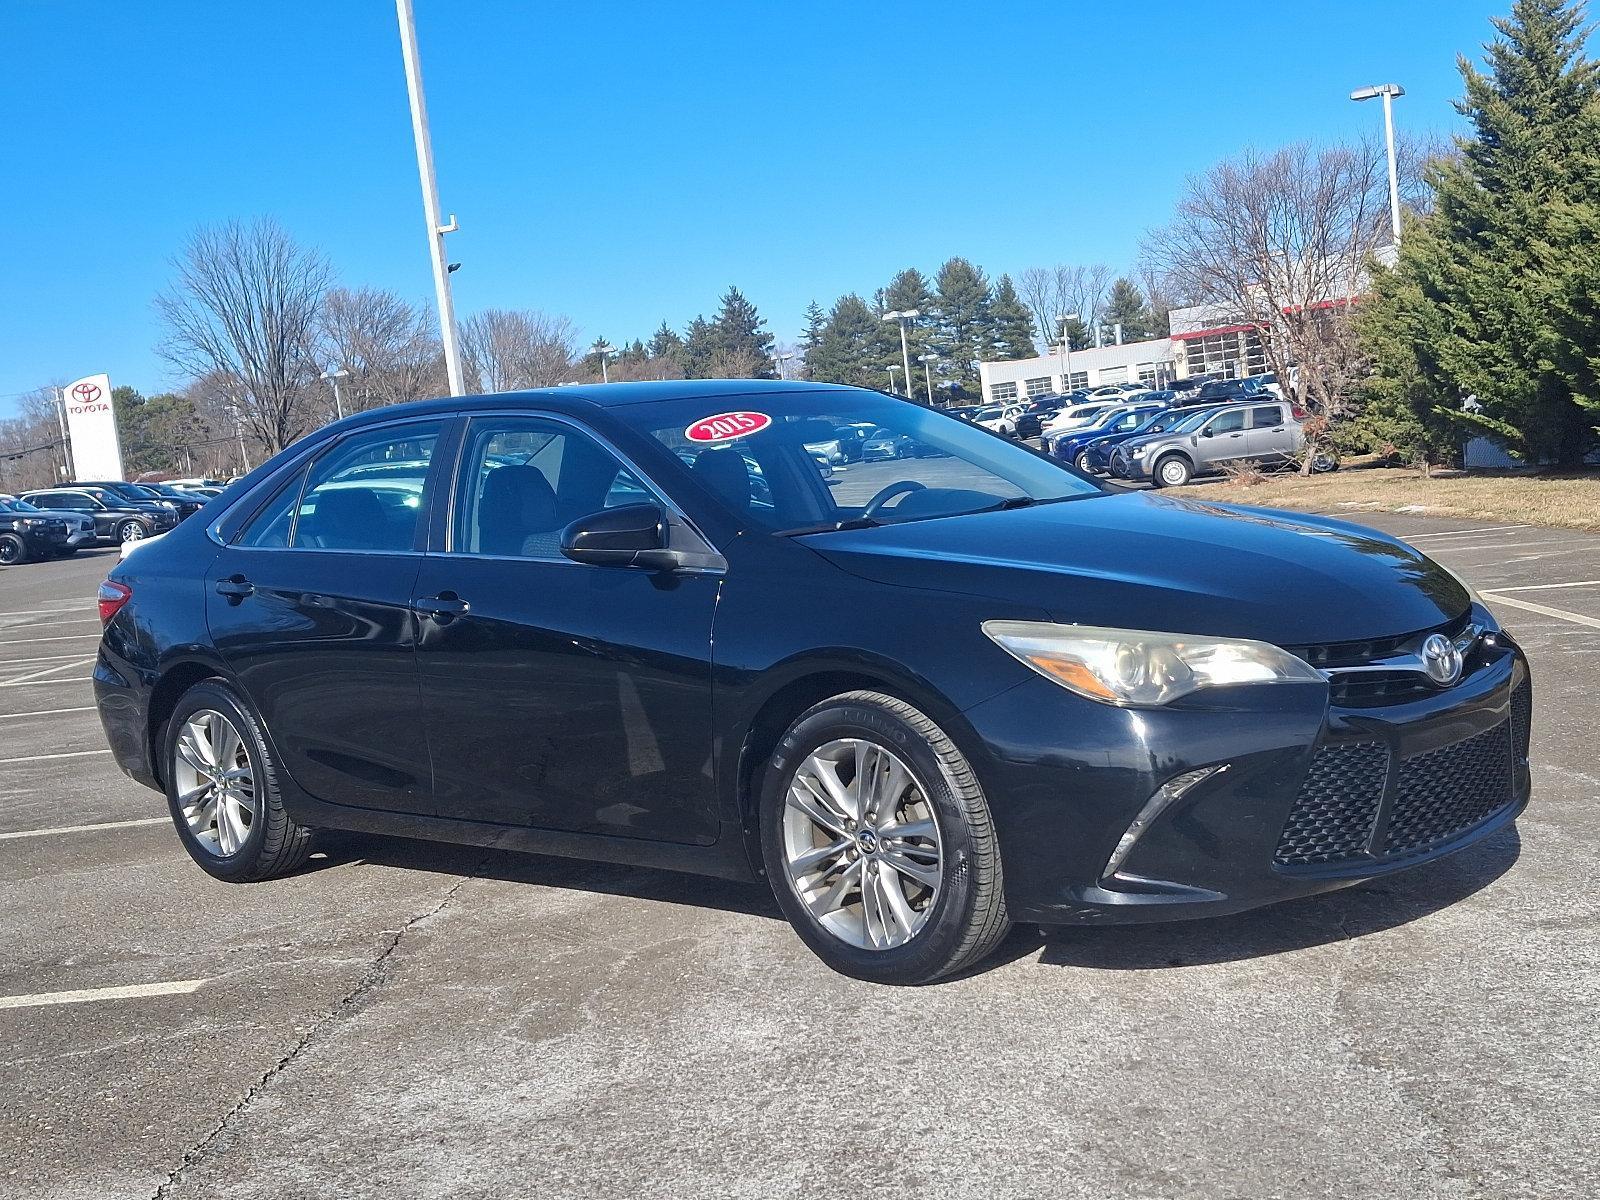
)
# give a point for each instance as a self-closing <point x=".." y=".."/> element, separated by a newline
<point x="1228" y="422"/>
<point x="525" y="479"/>
<point x="916" y="464"/>
<point x="365" y="493"/>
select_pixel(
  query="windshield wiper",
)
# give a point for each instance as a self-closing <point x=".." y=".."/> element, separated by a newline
<point x="832" y="527"/>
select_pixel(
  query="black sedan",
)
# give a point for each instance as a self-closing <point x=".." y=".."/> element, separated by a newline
<point x="115" y="519"/>
<point x="920" y="699"/>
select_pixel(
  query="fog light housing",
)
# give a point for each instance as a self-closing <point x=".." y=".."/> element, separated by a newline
<point x="1168" y="794"/>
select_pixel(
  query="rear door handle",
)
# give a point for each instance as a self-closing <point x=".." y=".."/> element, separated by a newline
<point x="444" y="607"/>
<point x="236" y="587"/>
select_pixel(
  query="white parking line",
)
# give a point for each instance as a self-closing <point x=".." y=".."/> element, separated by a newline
<point x="47" y="757"/>
<point x="38" y="658"/>
<point x="39" y="674"/>
<point x="49" y="682"/>
<point x="60" y="637"/>
<point x="135" y="991"/>
<point x="60" y="829"/>
<point x="44" y="612"/>
<point x="1539" y="587"/>
<point x="1460" y="532"/>
<point x="1560" y="614"/>
<point x="46" y="712"/>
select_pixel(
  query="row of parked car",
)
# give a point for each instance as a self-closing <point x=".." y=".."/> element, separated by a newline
<point x="55" y="522"/>
<point x="1163" y="437"/>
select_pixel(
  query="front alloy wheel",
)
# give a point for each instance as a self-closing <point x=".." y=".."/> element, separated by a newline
<point x="131" y="531"/>
<point x="878" y="842"/>
<point x="861" y="845"/>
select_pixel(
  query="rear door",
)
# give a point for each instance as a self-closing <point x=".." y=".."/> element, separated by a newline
<point x="1271" y="436"/>
<point x="310" y="606"/>
<point x="557" y="694"/>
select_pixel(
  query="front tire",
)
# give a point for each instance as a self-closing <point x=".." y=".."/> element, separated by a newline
<point x="131" y="531"/>
<point x="879" y="844"/>
<point x="13" y="550"/>
<point x="1172" y="471"/>
<point x="222" y="789"/>
<point x="1083" y="463"/>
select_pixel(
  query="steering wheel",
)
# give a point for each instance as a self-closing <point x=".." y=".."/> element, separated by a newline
<point x="903" y="487"/>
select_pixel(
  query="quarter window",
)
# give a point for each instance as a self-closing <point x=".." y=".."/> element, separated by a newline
<point x="525" y="479"/>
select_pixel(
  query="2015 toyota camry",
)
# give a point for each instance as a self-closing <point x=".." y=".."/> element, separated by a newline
<point x="922" y="697"/>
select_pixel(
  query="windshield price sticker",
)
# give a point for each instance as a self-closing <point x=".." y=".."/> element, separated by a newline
<point x="724" y="427"/>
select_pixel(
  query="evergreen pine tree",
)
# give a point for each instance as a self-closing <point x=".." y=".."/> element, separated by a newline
<point x="1126" y="305"/>
<point x="850" y="348"/>
<point x="1501" y="278"/>
<point x="1013" y="324"/>
<point x="965" y="328"/>
<point x="743" y="346"/>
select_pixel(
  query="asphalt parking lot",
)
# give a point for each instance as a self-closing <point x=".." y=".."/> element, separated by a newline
<point x="410" y="1020"/>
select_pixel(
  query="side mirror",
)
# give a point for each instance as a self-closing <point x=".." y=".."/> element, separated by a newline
<point x="1208" y="432"/>
<point x="631" y="535"/>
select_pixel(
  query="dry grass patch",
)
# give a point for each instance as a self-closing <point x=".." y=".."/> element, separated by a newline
<point x="1569" y="501"/>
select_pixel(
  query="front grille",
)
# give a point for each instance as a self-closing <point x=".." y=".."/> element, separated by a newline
<point x="1447" y="791"/>
<point x="1367" y="688"/>
<point x="1438" y="795"/>
<point x="1337" y="805"/>
<point x="1332" y="655"/>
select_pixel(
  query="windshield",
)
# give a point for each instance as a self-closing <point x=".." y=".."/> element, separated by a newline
<point x="19" y="506"/>
<point x="1191" y="421"/>
<point x="937" y="466"/>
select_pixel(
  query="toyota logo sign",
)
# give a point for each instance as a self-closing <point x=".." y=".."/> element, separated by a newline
<point x="86" y="392"/>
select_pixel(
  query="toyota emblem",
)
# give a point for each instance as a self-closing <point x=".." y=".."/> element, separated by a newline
<point x="1441" y="660"/>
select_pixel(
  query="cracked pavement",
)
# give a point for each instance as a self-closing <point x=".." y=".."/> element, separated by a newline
<point x="406" y="1019"/>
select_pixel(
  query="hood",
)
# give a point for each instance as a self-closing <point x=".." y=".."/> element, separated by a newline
<point x="1136" y="560"/>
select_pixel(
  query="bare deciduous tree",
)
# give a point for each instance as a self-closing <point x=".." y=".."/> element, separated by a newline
<point x="387" y="344"/>
<point x="244" y="307"/>
<point x="1282" y="242"/>
<point x="504" y="350"/>
<point x="1050" y="293"/>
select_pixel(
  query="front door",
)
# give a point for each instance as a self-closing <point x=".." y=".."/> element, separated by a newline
<point x="556" y="694"/>
<point x="311" y="608"/>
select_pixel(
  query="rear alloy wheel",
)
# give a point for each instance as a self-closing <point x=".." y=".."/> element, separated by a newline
<point x="879" y="844"/>
<point x="13" y="550"/>
<point x="1172" y="471"/>
<point x="131" y="531"/>
<point x="222" y="789"/>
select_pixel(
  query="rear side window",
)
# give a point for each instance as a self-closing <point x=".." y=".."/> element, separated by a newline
<point x="366" y="493"/>
<point x="1266" y="418"/>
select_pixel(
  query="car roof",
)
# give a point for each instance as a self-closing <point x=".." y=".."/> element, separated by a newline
<point x="574" y="399"/>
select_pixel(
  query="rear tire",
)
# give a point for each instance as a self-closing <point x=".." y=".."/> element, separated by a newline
<point x="1172" y="471"/>
<point x="265" y="841"/>
<point x="13" y="550"/>
<point x="921" y="837"/>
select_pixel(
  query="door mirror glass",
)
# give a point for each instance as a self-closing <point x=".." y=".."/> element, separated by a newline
<point x="634" y="535"/>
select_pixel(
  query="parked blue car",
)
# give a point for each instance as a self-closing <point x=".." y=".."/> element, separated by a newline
<point x="1094" y="455"/>
<point x="1124" y="419"/>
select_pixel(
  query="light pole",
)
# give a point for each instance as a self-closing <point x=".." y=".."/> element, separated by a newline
<point x="893" y="367"/>
<point x="604" y="349"/>
<point x="910" y="314"/>
<point x="1388" y="91"/>
<point x="430" y="197"/>
<point x="780" y="359"/>
<point x="1064" y="351"/>
<point x="333" y="377"/>
<point x="927" y="361"/>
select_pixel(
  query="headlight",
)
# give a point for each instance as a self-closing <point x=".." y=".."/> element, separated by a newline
<point x="1135" y="668"/>
<point x="1137" y="452"/>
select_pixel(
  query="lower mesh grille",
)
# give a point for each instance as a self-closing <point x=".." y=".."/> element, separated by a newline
<point x="1437" y="796"/>
<point x="1448" y="791"/>
<point x="1337" y="805"/>
<point x="1522" y="717"/>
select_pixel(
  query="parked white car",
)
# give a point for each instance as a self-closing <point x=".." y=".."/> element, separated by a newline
<point x="1001" y="418"/>
<point x="1076" y="416"/>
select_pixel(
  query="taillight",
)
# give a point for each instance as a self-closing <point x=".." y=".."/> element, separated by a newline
<point x="1298" y="413"/>
<point x="112" y="597"/>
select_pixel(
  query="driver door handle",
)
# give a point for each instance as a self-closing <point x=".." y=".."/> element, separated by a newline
<point x="235" y="587"/>
<point x="444" y="607"/>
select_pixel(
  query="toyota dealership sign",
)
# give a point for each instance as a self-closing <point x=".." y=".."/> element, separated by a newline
<point x="92" y="428"/>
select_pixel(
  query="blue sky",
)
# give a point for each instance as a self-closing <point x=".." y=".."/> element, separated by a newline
<point x="623" y="163"/>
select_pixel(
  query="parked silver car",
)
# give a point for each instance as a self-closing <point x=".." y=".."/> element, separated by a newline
<point x="1265" y="433"/>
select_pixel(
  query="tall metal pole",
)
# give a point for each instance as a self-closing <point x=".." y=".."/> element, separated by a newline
<point x="905" y="357"/>
<point x="1394" y="169"/>
<point x="927" y="373"/>
<point x="66" y="444"/>
<point x="338" y="405"/>
<point x="430" y="197"/>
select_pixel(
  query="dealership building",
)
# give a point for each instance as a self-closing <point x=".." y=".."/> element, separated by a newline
<point x="1206" y="340"/>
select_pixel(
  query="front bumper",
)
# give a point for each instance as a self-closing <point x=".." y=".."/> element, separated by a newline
<point x="1293" y="812"/>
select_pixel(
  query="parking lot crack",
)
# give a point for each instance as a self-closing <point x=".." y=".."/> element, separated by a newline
<point x="376" y="972"/>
